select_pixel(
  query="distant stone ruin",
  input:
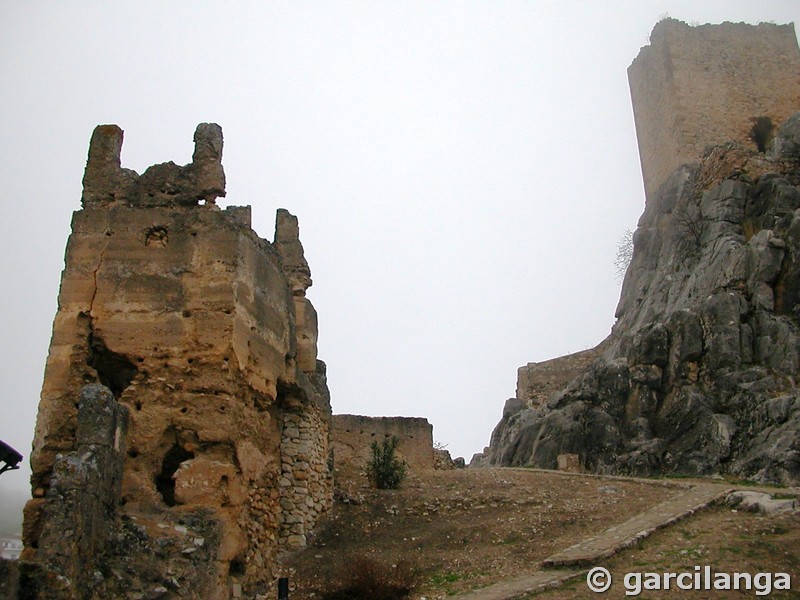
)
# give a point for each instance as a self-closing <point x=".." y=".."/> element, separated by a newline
<point x="538" y="381"/>
<point x="182" y="439"/>
<point x="352" y="437"/>
<point x="699" y="375"/>
<point x="692" y="87"/>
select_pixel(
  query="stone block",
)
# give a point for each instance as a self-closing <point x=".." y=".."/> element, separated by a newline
<point x="569" y="462"/>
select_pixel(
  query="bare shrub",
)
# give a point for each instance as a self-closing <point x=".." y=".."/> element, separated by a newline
<point x="688" y="228"/>
<point x="369" y="579"/>
<point x="624" y="254"/>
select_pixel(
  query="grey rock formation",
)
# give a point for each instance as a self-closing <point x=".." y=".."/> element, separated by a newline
<point x="699" y="373"/>
<point x="83" y="500"/>
<point x="759" y="502"/>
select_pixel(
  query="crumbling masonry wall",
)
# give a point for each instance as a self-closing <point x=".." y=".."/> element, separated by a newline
<point x="202" y="331"/>
<point x="538" y="381"/>
<point x="692" y="87"/>
<point x="353" y="435"/>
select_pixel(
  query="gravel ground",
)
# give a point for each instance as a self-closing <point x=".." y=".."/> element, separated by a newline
<point x="466" y="528"/>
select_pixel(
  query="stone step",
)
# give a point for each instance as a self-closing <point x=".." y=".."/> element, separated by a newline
<point x="607" y="543"/>
<point x="573" y="561"/>
<point x="522" y="587"/>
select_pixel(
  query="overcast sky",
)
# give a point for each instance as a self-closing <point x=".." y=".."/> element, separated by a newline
<point x="462" y="172"/>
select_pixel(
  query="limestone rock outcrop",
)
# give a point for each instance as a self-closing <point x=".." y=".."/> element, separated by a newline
<point x="699" y="375"/>
<point x="204" y="344"/>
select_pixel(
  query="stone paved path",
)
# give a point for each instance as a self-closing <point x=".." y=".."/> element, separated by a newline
<point x="575" y="560"/>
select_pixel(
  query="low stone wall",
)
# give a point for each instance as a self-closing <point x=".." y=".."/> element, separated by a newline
<point x="538" y="381"/>
<point x="352" y="436"/>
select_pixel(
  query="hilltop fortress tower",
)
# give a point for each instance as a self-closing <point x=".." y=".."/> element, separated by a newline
<point x="182" y="438"/>
<point x="707" y="338"/>
<point x="697" y="86"/>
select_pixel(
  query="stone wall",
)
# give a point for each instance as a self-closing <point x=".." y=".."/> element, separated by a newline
<point x="352" y="436"/>
<point x="306" y="481"/>
<point x="696" y="86"/>
<point x="538" y="381"/>
<point x="202" y="331"/>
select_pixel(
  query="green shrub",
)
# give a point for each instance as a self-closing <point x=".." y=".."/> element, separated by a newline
<point x="384" y="469"/>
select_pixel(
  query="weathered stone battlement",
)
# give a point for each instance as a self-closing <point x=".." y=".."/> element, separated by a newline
<point x="353" y="435"/>
<point x="538" y="381"/>
<point x="202" y="332"/>
<point x="106" y="183"/>
<point x="692" y="87"/>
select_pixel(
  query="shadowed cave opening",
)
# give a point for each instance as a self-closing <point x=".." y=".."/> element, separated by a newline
<point x="114" y="370"/>
<point x="165" y="484"/>
<point x="761" y="133"/>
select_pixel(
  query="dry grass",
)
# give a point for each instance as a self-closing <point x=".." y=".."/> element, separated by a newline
<point x="371" y="579"/>
<point x="464" y="529"/>
<point x="726" y="540"/>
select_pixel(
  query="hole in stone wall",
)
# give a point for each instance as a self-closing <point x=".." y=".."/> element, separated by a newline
<point x="761" y="133"/>
<point x="165" y="484"/>
<point x="237" y="567"/>
<point x="114" y="370"/>
<point x="156" y="237"/>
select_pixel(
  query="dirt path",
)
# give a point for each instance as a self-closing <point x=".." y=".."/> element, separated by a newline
<point x="467" y="529"/>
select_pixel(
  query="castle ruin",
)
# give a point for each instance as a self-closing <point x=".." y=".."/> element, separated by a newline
<point x="182" y="438"/>
<point x="352" y="437"/>
<point x="695" y="86"/>
<point x="706" y="346"/>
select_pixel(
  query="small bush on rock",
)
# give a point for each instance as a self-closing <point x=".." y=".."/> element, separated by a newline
<point x="384" y="469"/>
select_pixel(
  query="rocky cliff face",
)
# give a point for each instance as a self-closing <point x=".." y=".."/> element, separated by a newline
<point x="699" y="375"/>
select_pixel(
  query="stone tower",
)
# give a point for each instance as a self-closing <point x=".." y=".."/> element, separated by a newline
<point x="182" y="438"/>
<point x="697" y="86"/>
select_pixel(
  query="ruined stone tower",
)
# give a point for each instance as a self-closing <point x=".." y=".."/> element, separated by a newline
<point x="182" y="438"/>
<point x="697" y="86"/>
<point x="706" y="345"/>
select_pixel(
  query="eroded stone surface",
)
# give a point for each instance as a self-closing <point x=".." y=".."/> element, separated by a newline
<point x="192" y="323"/>
<point x="353" y="435"/>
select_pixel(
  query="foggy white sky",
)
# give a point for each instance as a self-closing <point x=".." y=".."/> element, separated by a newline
<point x="462" y="172"/>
